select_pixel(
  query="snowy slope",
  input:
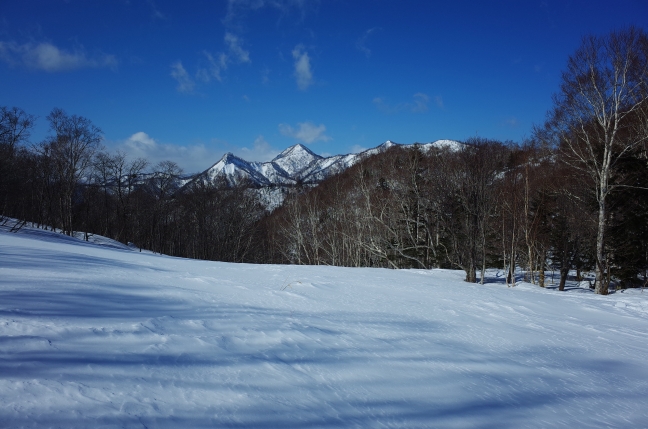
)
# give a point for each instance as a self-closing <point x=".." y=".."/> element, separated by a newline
<point x="234" y="170"/>
<point x="94" y="336"/>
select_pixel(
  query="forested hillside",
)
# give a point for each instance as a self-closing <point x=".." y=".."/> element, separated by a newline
<point x="574" y="196"/>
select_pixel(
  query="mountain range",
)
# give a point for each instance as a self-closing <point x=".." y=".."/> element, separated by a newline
<point x="296" y="165"/>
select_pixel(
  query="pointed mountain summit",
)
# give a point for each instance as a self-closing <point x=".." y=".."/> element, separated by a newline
<point x="297" y="150"/>
<point x="295" y="159"/>
<point x="298" y="164"/>
<point x="227" y="164"/>
<point x="234" y="169"/>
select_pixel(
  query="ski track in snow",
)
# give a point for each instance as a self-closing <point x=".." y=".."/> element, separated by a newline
<point x="107" y="337"/>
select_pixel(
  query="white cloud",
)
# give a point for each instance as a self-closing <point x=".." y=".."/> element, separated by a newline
<point x="191" y="158"/>
<point x="261" y="151"/>
<point x="265" y="75"/>
<point x="306" y="132"/>
<point x="141" y="141"/>
<point x="238" y="9"/>
<point x="214" y="68"/>
<point x="511" y="122"/>
<point x="235" y="49"/>
<point x="216" y="64"/>
<point x="439" y="102"/>
<point x="418" y="104"/>
<point x="155" y="14"/>
<point x="47" y="57"/>
<point x="185" y="83"/>
<point x="361" y="43"/>
<point x="303" y="72"/>
<point x="380" y="103"/>
<point x="357" y="148"/>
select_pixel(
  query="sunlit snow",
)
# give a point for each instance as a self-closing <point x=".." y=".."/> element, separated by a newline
<point x="96" y="335"/>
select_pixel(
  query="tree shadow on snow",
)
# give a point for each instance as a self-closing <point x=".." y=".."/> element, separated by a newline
<point x="492" y="389"/>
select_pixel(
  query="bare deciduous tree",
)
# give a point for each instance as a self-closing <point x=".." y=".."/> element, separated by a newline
<point x="15" y="127"/>
<point x="71" y="148"/>
<point x="603" y="86"/>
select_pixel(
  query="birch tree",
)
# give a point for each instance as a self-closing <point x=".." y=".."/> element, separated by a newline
<point x="601" y="90"/>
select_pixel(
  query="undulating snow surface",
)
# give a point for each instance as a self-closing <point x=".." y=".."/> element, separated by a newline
<point x="96" y="336"/>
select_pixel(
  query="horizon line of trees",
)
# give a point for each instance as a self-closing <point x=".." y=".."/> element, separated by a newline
<point x="573" y="197"/>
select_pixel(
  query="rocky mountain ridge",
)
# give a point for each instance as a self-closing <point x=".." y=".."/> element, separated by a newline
<point x="296" y="165"/>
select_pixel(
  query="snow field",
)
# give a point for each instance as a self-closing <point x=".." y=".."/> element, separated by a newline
<point x="98" y="336"/>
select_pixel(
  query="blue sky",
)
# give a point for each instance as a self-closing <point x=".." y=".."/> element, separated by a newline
<point x="190" y="80"/>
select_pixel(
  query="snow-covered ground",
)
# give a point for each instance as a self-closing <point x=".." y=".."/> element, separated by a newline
<point x="98" y="336"/>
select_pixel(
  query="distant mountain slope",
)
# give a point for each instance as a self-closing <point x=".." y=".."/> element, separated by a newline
<point x="297" y="164"/>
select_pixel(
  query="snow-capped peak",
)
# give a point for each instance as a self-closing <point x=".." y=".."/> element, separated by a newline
<point x="230" y="158"/>
<point x="299" y="164"/>
<point x="452" y="145"/>
<point x="298" y="150"/>
<point x="295" y="159"/>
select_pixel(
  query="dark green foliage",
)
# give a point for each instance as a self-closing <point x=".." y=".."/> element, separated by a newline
<point x="629" y="220"/>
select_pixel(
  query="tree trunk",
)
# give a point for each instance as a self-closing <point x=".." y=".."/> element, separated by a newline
<point x="483" y="271"/>
<point x="564" y="271"/>
<point x="471" y="273"/>
<point x="601" y="262"/>
<point x="541" y="269"/>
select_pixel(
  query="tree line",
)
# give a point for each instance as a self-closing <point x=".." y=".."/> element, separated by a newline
<point x="572" y="197"/>
<point x="69" y="183"/>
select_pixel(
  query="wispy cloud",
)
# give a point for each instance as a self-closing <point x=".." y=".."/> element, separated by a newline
<point x="439" y="102"/>
<point x="358" y="148"/>
<point x="235" y="49"/>
<point x="418" y="104"/>
<point x="238" y="9"/>
<point x="191" y="158"/>
<point x="306" y="132"/>
<point x="214" y="67"/>
<point x="155" y="12"/>
<point x="303" y="72"/>
<point x="260" y="150"/>
<point x="292" y="11"/>
<point x="265" y="75"/>
<point x="50" y="58"/>
<point x="185" y="83"/>
<point x="361" y="43"/>
<point x="511" y="122"/>
<point x="382" y="105"/>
